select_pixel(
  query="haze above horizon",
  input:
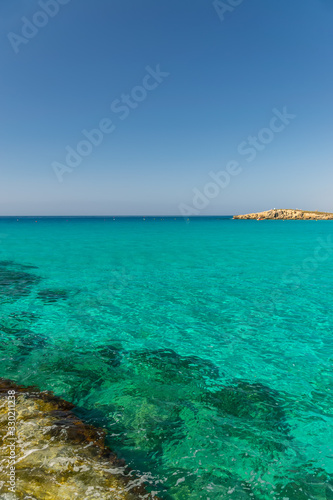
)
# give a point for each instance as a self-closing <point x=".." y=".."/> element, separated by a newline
<point x="165" y="109"/>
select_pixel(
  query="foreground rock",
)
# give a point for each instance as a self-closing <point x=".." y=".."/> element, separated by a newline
<point x="56" y="455"/>
<point x="287" y="214"/>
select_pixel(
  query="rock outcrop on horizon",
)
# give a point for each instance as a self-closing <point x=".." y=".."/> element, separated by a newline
<point x="287" y="214"/>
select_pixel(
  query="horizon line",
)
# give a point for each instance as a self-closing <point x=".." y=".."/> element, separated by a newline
<point x="114" y="216"/>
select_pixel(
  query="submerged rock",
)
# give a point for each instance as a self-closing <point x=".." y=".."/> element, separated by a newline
<point x="57" y="456"/>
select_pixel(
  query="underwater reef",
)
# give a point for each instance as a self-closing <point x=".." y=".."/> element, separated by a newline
<point x="186" y="429"/>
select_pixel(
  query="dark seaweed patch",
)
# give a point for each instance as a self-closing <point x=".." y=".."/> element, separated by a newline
<point x="31" y="340"/>
<point x="15" y="284"/>
<point x="252" y="412"/>
<point x="168" y="391"/>
<point x="111" y="355"/>
<point x="161" y="383"/>
<point x="19" y="320"/>
<point x="171" y="367"/>
<point x="51" y="296"/>
<point x="11" y="263"/>
<point x="23" y="340"/>
<point x="5" y="263"/>
<point x="249" y="401"/>
<point x="84" y="373"/>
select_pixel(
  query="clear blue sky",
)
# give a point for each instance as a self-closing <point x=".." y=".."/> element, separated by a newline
<point x="225" y="78"/>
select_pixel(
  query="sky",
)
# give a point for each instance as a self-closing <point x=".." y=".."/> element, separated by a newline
<point x="180" y="107"/>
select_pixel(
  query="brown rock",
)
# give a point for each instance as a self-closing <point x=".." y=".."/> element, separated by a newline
<point x="57" y="456"/>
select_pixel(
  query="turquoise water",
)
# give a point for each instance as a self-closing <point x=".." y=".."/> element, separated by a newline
<point x="204" y="348"/>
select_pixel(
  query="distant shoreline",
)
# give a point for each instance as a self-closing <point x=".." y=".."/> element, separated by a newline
<point x="178" y="217"/>
<point x="287" y="214"/>
<point x="274" y="214"/>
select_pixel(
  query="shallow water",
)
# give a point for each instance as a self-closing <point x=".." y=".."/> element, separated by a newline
<point x="204" y="348"/>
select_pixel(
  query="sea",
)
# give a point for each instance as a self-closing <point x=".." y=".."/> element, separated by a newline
<point x="202" y="346"/>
